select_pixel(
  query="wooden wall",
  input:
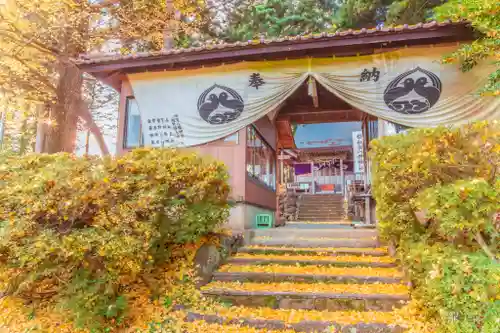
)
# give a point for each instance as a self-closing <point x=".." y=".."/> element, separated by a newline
<point x="244" y="188"/>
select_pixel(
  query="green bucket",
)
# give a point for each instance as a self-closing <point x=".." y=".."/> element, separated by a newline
<point x="263" y="221"/>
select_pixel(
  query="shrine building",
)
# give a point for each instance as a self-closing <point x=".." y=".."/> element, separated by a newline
<point x="295" y="114"/>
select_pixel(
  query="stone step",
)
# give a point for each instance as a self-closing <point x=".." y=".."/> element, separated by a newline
<point x="319" y="225"/>
<point x="289" y="277"/>
<point x="308" y="325"/>
<point x="325" y="219"/>
<point x="310" y="300"/>
<point x="364" y="226"/>
<point x="322" y="195"/>
<point x="314" y="242"/>
<point x="325" y="251"/>
<point x="331" y="223"/>
<point x="319" y="219"/>
<point x="327" y="203"/>
<point x="320" y="199"/>
<point x="348" y="232"/>
<point x="303" y="216"/>
<point x="191" y="325"/>
<point x="309" y="261"/>
<point x="321" y="209"/>
<point x="318" y="202"/>
<point x="320" y="212"/>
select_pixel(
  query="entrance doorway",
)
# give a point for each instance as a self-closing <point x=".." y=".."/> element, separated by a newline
<point x="322" y="149"/>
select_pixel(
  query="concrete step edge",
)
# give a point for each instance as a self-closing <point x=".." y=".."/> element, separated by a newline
<point x="320" y="211"/>
<point x="303" y="326"/>
<point x="291" y="250"/>
<point x="246" y="261"/>
<point x="224" y="292"/>
<point x="282" y="277"/>
<point x="320" y="216"/>
<point x="312" y="230"/>
<point x="318" y="203"/>
<point x="315" y="244"/>
<point x="323" y="212"/>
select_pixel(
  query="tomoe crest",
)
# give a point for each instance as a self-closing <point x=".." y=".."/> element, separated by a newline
<point x="413" y="92"/>
<point x="220" y="105"/>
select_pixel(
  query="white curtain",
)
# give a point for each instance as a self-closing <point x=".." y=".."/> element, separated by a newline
<point x="409" y="87"/>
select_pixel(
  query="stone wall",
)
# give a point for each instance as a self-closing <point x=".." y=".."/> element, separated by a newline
<point x="288" y="210"/>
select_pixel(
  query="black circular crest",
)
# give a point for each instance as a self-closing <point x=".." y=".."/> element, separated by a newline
<point x="220" y="105"/>
<point x="413" y="92"/>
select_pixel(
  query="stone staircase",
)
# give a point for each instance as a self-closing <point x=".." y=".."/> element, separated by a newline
<point x="321" y="207"/>
<point x="307" y="279"/>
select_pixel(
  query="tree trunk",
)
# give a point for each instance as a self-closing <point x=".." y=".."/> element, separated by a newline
<point x="87" y="142"/>
<point x="62" y="133"/>
<point x="168" y="33"/>
<point x="484" y="246"/>
<point x="86" y="116"/>
<point x="66" y="112"/>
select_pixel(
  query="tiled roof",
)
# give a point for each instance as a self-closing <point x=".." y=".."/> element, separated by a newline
<point x="87" y="59"/>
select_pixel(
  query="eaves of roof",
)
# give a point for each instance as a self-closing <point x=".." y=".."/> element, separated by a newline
<point x="307" y="45"/>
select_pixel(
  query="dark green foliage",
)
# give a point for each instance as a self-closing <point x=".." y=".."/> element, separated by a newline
<point x="369" y="13"/>
<point x="437" y="193"/>
<point x="484" y="16"/>
<point x="249" y="19"/>
<point x="81" y="232"/>
<point x="458" y="287"/>
<point x="275" y="18"/>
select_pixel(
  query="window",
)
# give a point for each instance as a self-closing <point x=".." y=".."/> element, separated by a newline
<point x="261" y="161"/>
<point x="233" y="138"/>
<point x="133" y="131"/>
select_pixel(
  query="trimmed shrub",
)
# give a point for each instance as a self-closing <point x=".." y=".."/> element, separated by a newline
<point x="80" y="231"/>
<point x="405" y="165"/>
<point x="462" y="212"/>
<point x="437" y="193"/>
<point x="459" y="288"/>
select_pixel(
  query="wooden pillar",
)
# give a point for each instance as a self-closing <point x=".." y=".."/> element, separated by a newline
<point x="342" y="177"/>
<point x="313" y="183"/>
<point x="282" y="168"/>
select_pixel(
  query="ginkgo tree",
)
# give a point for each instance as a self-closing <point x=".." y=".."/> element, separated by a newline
<point x="484" y="16"/>
<point x="39" y="40"/>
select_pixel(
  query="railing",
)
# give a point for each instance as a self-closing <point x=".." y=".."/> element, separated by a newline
<point x="337" y="180"/>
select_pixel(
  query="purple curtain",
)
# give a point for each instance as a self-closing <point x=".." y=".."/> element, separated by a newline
<point x="305" y="168"/>
<point x="302" y="168"/>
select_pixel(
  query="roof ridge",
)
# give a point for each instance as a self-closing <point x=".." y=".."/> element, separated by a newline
<point x="87" y="59"/>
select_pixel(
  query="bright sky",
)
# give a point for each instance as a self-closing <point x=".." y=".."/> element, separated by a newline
<point x="325" y="135"/>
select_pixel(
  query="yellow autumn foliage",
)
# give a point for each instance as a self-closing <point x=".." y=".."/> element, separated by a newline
<point x="314" y="270"/>
<point x="337" y="258"/>
<point x="317" y="287"/>
<point x="203" y="327"/>
<point x="87" y="239"/>
<point x="292" y="316"/>
<point x="317" y="249"/>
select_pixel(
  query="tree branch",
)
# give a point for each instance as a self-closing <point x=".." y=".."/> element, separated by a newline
<point x="484" y="246"/>
<point x="85" y="114"/>
<point x="31" y="70"/>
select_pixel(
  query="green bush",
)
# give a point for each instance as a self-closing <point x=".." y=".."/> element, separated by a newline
<point x="80" y="231"/>
<point x="437" y="192"/>
<point x="406" y="164"/>
<point x="462" y="212"/>
<point x="459" y="288"/>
